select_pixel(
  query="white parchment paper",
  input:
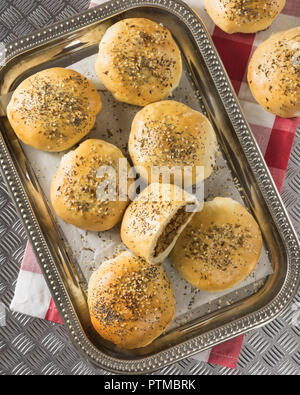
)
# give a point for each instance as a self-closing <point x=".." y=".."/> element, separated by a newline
<point x="90" y="249"/>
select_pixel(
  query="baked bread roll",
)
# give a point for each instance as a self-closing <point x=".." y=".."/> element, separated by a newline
<point x="238" y="16"/>
<point x="80" y="193"/>
<point x="172" y="135"/>
<point x="138" y="61"/>
<point x="273" y="74"/>
<point x="219" y="248"/>
<point x="131" y="302"/>
<point x="54" y="109"/>
<point x="154" y="220"/>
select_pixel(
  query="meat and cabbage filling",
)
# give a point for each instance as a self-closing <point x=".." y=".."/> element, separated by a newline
<point x="171" y="230"/>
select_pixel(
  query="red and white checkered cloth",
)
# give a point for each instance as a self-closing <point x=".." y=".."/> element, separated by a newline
<point x="274" y="135"/>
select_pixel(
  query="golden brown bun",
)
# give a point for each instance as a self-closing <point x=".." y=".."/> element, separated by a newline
<point x="171" y="134"/>
<point x="273" y="74"/>
<point x="138" y="61"/>
<point x="237" y="16"/>
<point x="219" y="248"/>
<point x="153" y="214"/>
<point x="74" y="188"/>
<point x="54" y="109"/>
<point x="131" y="302"/>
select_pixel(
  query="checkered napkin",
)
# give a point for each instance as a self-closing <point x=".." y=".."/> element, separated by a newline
<point x="274" y="135"/>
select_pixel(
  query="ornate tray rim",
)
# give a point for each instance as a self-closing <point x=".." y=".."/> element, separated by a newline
<point x="257" y="164"/>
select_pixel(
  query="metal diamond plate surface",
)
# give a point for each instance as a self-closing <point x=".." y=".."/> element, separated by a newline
<point x="31" y="346"/>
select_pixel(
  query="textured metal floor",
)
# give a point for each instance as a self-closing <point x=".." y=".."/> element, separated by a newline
<point x="31" y="346"/>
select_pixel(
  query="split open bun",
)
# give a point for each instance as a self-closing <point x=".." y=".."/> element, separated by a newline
<point x="79" y="193"/>
<point x="131" y="302"/>
<point x="169" y="136"/>
<point x="139" y="61"/>
<point x="53" y="109"/>
<point x="250" y="16"/>
<point x="273" y="74"/>
<point x="219" y="248"/>
<point x="154" y="220"/>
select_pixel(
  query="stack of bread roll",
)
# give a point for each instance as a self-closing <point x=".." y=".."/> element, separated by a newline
<point x="213" y="246"/>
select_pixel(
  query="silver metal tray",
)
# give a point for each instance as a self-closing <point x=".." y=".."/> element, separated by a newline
<point x="75" y="39"/>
